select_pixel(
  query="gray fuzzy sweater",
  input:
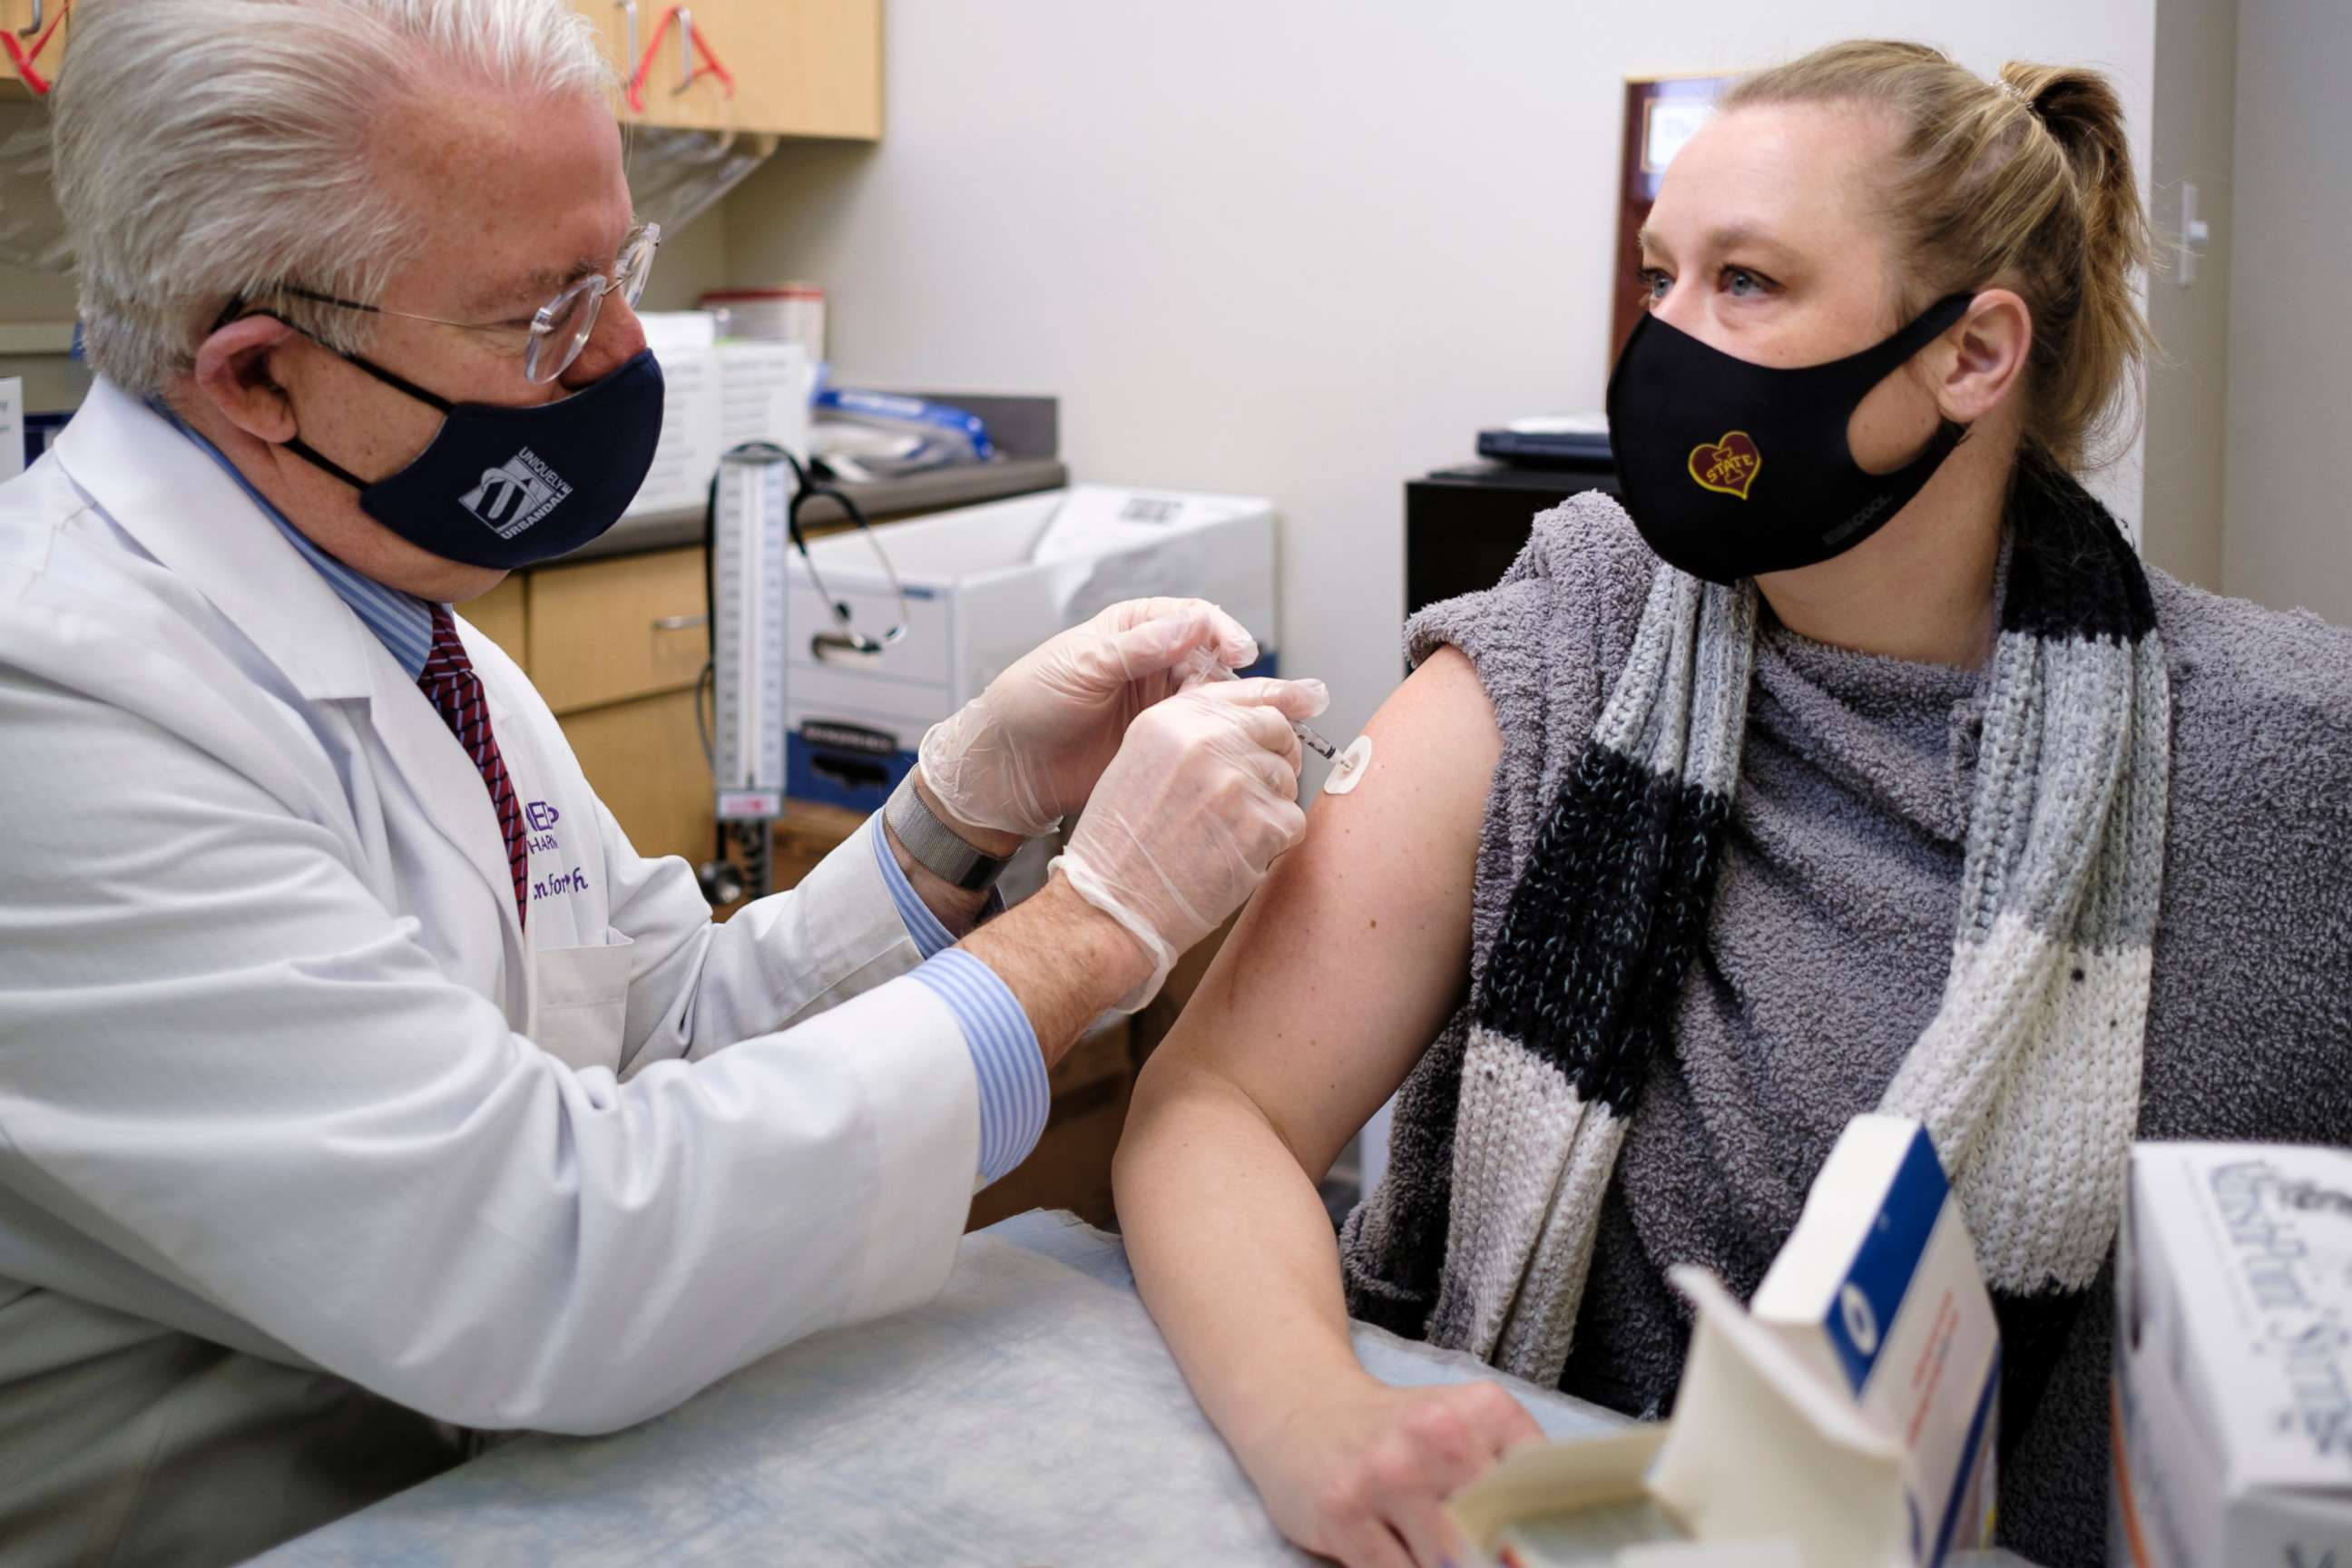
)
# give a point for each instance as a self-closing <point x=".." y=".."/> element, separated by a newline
<point x="1831" y="934"/>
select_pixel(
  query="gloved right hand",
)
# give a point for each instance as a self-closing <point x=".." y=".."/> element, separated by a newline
<point x="1201" y="798"/>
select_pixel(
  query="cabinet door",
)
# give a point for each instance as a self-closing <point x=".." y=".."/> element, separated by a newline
<point x="606" y="631"/>
<point x="18" y="17"/>
<point x="499" y="615"/>
<point x="802" y="67"/>
<point x="645" y="761"/>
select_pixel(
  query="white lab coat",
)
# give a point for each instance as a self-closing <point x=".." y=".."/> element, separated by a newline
<point x="301" y="1134"/>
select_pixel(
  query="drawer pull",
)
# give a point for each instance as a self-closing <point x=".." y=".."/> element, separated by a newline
<point x="680" y="622"/>
<point x="834" y="647"/>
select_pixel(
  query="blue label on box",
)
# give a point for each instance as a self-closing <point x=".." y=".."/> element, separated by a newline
<point x="1883" y="1267"/>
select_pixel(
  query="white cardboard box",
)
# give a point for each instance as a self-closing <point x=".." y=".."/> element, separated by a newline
<point x="1848" y="1415"/>
<point x="716" y="394"/>
<point x="2233" y="1359"/>
<point x="984" y="584"/>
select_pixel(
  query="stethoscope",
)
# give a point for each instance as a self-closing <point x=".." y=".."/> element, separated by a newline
<point x="847" y="640"/>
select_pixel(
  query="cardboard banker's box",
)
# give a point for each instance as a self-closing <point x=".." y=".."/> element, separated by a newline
<point x="2233" y="1359"/>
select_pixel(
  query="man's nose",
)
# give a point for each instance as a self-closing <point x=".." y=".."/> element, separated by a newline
<point x="618" y="337"/>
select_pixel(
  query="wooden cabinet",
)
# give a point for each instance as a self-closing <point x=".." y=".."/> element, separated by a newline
<point x="801" y="67"/>
<point x="644" y="759"/>
<point x="627" y="626"/>
<point x="616" y="646"/>
<point x="30" y="21"/>
<point x="499" y="615"/>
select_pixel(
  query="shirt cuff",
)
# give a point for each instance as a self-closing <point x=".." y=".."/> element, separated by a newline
<point x="1013" y="1092"/>
<point x="931" y="938"/>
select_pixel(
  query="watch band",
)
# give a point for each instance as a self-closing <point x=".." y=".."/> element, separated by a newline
<point x="937" y="848"/>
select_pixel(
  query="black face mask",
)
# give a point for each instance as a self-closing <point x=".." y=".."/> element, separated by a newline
<point x="505" y="486"/>
<point x="1731" y="469"/>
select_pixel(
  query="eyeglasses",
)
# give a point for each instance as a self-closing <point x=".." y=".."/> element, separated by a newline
<point x="563" y="326"/>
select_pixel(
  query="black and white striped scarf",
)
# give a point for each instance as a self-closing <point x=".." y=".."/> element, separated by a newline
<point x="2028" y="1077"/>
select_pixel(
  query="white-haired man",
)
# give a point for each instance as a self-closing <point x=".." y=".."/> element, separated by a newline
<point x="361" y="1088"/>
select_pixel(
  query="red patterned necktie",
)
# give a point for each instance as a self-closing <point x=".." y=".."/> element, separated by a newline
<point x="456" y="694"/>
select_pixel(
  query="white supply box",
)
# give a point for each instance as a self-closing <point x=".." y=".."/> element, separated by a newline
<point x="2233" y="1359"/>
<point x="984" y="584"/>
<point x="1846" y="1417"/>
<point x="716" y="394"/>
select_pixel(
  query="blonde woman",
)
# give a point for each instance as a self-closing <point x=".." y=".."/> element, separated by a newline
<point x="1862" y="765"/>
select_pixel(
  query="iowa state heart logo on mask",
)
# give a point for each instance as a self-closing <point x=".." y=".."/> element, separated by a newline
<point x="1729" y="465"/>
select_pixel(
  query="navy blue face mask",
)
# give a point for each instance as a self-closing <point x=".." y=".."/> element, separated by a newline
<point x="503" y="488"/>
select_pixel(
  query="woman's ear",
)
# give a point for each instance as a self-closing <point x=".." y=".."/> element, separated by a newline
<point x="233" y="370"/>
<point x="1987" y="350"/>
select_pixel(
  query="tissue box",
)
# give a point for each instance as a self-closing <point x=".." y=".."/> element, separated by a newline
<point x="2233" y="1359"/>
<point x="1846" y="1417"/>
<point x="983" y="586"/>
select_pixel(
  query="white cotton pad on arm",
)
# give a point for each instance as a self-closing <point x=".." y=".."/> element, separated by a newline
<point x="1349" y="770"/>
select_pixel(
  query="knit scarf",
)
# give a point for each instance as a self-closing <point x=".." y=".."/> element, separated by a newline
<point x="2028" y="1075"/>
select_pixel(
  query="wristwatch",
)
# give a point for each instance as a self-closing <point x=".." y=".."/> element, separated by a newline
<point x="937" y="848"/>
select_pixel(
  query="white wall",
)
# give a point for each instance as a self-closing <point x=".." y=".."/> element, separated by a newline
<point x="1290" y="246"/>
<point x="2289" y="537"/>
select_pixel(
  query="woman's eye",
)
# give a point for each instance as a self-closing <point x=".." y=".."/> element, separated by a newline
<point x="1741" y="283"/>
<point x="1655" y="285"/>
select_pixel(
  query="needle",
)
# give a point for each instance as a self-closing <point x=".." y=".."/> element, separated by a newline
<point x="1216" y="669"/>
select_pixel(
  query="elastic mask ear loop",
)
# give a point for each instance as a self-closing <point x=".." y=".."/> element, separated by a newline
<point x="400" y="383"/>
<point x="1876" y="363"/>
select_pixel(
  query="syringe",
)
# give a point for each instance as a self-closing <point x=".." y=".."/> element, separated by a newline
<point x="1208" y="664"/>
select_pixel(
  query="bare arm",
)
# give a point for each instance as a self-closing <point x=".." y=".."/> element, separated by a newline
<point x="1340" y="973"/>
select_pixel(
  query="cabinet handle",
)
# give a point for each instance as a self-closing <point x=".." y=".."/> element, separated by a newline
<point x="685" y="49"/>
<point x="680" y="622"/>
<point x="27" y="31"/>
<point x="831" y="648"/>
<point x="629" y="57"/>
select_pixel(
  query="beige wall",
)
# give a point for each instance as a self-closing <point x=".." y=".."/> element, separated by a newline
<point x="2191" y="131"/>
<point x="2289" y="539"/>
<point x="1299" y="250"/>
<point x="51" y="381"/>
<point x="691" y="261"/>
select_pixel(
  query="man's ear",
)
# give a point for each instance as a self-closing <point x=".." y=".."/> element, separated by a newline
<point x="233" y="372"/>
<point x="1988" y="349"/>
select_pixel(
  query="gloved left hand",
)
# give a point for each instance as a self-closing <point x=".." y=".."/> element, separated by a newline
<point x="1026" y="752"/>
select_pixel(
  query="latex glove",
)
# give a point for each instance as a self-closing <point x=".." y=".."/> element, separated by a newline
<point x="1201" y="798"/>
<point x="1026" y="752"/>
<point x="1363" y="1475"/>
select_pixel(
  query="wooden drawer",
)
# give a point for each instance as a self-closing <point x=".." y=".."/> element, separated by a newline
<point x="499" y="615"/>
<point x="606" y="631"/>
<point x="644" y="759"/>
